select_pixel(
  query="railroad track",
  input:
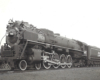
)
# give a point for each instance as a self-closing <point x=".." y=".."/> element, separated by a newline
<point x="34" y="70"/>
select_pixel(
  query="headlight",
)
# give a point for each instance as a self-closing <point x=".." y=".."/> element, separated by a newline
<point x="11" y="34"/>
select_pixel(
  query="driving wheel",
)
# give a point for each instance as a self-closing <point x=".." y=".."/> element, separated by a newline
<point x="69" y="60"/>
<point x="46" y="65"/>
<point x="63" y="60"/>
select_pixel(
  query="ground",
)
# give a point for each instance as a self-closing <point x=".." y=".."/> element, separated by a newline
<point x="90" y="73"/>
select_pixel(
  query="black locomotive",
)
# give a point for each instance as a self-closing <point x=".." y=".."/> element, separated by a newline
<point x="29" y="47"/>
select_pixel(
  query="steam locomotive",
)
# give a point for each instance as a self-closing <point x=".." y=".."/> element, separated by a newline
<point x="29" y="47"/>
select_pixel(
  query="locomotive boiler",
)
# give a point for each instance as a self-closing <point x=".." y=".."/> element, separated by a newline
<point x="29" y="47"/>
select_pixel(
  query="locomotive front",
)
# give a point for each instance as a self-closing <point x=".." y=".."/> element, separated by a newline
<point x="17" y="47"/>
<point x="13" y="39"/>
<point x="13" y="33"/>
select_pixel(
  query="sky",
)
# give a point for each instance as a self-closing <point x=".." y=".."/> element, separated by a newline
<point x="74" y="19"/>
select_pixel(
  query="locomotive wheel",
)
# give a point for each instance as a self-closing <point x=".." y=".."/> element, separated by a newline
<point x="38" y="66"/>
<point x="69" y="60"/>
<point x="63" y="60"/>
<point x="56" y="59"/>
<point x="55" y="66"/>
<point x="22" y="65"/>
<point x="46" y="65"/>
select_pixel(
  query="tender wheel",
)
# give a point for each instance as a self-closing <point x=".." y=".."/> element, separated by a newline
<point x="46" y="65"/>
<point x="38" y="66"/>
<point x="22" y="65"/>
<point x="69" y="60"/>
<point x="63" y="60"/>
